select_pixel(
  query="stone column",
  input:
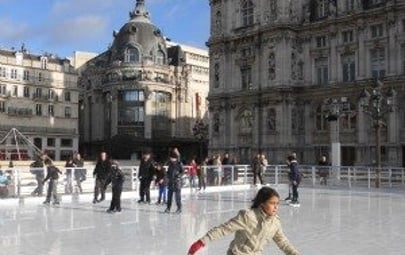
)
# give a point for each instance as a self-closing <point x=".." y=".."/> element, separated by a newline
<point x="361" y="61"/>
<point x="148" y="117"/>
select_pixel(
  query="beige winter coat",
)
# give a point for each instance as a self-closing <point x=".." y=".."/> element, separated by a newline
<point x="253" y="230"/>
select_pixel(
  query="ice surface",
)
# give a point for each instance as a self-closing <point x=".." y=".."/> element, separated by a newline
<point x="329" y="222"/>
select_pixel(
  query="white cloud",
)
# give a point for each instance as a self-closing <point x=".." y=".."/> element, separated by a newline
<point x="11" y="31"/>
<point x="78" y="30"/>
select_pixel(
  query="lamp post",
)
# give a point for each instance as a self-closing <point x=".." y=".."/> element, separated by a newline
<point x="376" y="105"/>
<point x="335" y="107"/>
<point x="200" y="132"/>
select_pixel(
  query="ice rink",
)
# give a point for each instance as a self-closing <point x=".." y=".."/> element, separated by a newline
<point x="329" y="222"/>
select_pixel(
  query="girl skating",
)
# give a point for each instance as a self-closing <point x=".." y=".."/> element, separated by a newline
<point x="253" y="228"/>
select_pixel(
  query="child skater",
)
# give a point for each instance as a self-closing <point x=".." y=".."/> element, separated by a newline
<point x="52" y="175"/>
<point x="117" y="180"/>
<point x="161" y="183"/>
<point x="253" y="228"/>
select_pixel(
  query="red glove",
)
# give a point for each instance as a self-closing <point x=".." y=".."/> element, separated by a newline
<point x="195" y="247"/>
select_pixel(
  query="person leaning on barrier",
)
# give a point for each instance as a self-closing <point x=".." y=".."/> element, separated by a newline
<point x="80" y="172"/>
<point x="52" y="174"/>
<point x="36" y="168"/>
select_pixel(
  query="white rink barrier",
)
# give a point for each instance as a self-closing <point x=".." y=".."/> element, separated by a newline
<point x="23" y="180"/>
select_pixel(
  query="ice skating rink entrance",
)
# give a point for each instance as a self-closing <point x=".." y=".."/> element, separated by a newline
<point x="329" y="222"/>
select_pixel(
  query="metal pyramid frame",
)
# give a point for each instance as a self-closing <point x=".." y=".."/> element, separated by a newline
<point x="16" y="146"/>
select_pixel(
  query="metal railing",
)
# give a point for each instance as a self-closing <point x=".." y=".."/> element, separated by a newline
<point x="24" y="180"/>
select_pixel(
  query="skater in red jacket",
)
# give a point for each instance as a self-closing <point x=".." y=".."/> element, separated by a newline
<point x="253" y="228"/>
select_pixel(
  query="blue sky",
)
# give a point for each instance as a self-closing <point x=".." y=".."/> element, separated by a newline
<point x="64" y="26"/>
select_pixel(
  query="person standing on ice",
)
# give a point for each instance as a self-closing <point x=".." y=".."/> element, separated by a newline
<point x="117" y="181"/>
<point x="174" y="174"/>
<point x="52" y="174"/>
<point x="101" y="173"/>
<point x="253" y="228"/>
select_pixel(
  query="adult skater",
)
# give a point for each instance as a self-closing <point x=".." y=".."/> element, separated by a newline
<point x="80" y="171"/>
<point x="145" y="175"/>
<point x="257" y="169"/>
<point x="52" y="175"/>
<point x="253" y="228"/>
<point x="174" y="174"/>
<point x="37" y="169"/>
<point x="323" y="171"/>
<point x="295" y="179"/>
<point x="101" y="173"/>
<point x="117" y="180"/>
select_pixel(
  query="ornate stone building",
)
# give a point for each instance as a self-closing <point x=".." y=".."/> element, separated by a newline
<point x="39" y="97"/>
<point x="274" y="64"/>
<point x="144" y="92"/>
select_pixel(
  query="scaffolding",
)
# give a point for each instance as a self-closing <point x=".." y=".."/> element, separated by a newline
<point x="16" y="146"/>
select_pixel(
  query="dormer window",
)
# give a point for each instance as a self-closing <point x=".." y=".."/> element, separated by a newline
<point x="247" y="13"/>
<point x="132" y="55"/>
<point x="44" y="62"/>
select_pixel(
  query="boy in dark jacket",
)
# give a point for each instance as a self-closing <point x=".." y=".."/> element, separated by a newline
<point x="53" y="176"/>
<point x="295" y="179"/>
<point x="117" y="181"/>
<point x="101" y="172"/>
<point x="145" y="175"/>
<point x="174" y="174"/>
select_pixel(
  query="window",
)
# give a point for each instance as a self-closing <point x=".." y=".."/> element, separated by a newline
<point x="15" y="91"/>
<point x="66" y="142"/>
<point x="50" y="142"/>
<point x="13" y="73"/>
<point x="67" y="96"/>
<point x="26" y="75"/>
<point x="271" y="120"/>
<point x="131" y="115"/>
<point x="322" y="71"/>
<point x="38" y="109"/>
<point x="378" y="63"/>
<point x="3" y="90"/>
<point x="247" y="13"/>
<point x="51" y="111"/>
<point x="348" y="121"/>
<point x="3" y="72"/>
<point x="51" y="94"/>
<point x="26" y="91"/>
<point x="68" y="112"/>
<point x="38" y="142"/>
<point x="132" y="96"/>
<point x="348" y="68"/>
<point x="132" y="55"/>
<point x="38" y="93"/>
<point x="44" y="62"/>
<point x="322" y="8"/>
<point x="2" y="106"/>
<point x="246" y="78"/>
<point x="377" y="30"/>
<point x="40" y="77"/>
<point x="321" y="41"/>
<point x="347" y="36"/>
<point x="160" y="57"/>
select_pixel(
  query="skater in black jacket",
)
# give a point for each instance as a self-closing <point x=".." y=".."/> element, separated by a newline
<point x="101" y="172"/>
<point x="117" y="181"/>
<point x="174" y="174"/>
<point x="145" y="175"/>
<point x="53" y="176"/>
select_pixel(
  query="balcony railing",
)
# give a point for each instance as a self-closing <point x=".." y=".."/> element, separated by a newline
<point x="23" y="112"/>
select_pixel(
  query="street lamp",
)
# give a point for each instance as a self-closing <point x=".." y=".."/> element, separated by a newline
<point x="200" y="132"/>
<point x="376" y="105"/>
<point x="335" y="107"/>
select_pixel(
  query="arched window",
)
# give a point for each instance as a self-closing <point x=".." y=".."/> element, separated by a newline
<point x="132" y="55"/>
<point x="160" y="58"/>
<point x="247" y="10"/>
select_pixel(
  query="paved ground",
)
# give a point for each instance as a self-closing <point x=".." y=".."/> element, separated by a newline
<point x="329" y="222"/>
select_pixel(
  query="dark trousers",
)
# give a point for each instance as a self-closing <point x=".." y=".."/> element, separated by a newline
<point x="201" y="182"/>
<point x="295" y="191"/>
<point x="177" y="192"/>
<point x="257" y="174"/>
<point x="162" y="193"/>
<point x="116" y="196"/>
<point x="52" y="191"/>
<point x="40" y="185"/>
<point x="144" y="190"/>
<point x="99" y="188"/>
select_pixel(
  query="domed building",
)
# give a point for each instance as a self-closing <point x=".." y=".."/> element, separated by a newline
<point x="140" y="94"/>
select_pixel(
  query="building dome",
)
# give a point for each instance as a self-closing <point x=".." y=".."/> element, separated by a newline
<point x="139" y="40"/>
